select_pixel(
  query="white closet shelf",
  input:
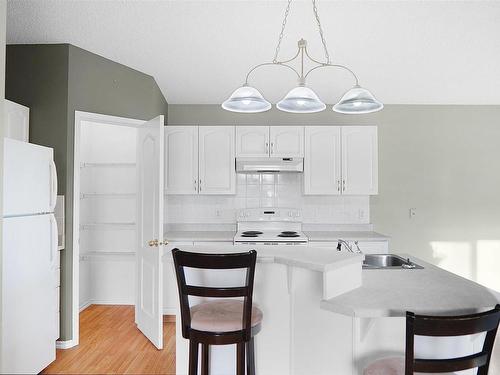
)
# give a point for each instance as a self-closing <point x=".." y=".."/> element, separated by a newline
<point x="87" y="255"/>
<point x="107" y="195"/>
<point x="91" y="226"/>
<point x="108" y="165"/>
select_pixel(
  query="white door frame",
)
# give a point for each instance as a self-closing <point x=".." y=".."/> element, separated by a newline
<point x="75" y="295"/>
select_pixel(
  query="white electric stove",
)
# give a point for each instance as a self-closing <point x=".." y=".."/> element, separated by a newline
<point x="270" y="226"/>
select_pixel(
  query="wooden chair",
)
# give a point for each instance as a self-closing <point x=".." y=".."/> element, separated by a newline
<point x="442" y="326"/>
<point x="221" y="321"/>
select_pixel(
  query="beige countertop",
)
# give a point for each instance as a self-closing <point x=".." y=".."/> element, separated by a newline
<point x="320" y="236"/>
<point x="432" y="290"/>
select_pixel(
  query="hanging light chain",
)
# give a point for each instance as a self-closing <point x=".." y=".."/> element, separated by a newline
<point x="283" y="25"/>
<point x="320" y="28"/>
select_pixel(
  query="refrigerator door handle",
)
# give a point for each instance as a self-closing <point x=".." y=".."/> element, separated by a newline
<point x="53" y="241"/>
<point x="53" y="185"/>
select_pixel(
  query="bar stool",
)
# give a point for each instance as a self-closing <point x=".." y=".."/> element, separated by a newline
<point x="442" y="326"/>
<point x="218" y="322"/>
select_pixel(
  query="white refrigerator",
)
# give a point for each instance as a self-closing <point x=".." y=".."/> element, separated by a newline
<point x="30" y="256"/>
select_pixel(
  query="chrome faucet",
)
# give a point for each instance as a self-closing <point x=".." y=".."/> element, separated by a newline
<point x="347" y="246"/>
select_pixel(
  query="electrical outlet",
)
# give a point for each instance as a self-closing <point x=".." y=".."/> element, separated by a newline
<point x="413" y="213"/>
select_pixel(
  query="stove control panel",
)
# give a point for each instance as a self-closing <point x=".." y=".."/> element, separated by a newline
<point x="270" y="214"/>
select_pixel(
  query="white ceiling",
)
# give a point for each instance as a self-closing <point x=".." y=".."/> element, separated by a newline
<point x="405" y="52"/>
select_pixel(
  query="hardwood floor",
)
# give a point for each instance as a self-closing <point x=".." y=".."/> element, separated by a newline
<point x="110" y="343"/>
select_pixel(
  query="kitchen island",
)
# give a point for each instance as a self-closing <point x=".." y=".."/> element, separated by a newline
<point x="319" y="318"/>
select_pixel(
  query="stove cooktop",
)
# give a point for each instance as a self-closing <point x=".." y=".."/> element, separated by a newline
<point x="250" y="236"/>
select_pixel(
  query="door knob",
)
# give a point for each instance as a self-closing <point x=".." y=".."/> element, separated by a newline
<point x="153" y="243"/>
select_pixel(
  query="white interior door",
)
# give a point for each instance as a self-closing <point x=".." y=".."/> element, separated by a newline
<point x="150" y="157"/>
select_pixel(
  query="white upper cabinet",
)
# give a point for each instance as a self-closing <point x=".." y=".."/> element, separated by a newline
<point x="359" y="160"/>
<point x="286" y="141"/>
<point x="216" y="157"/>
<point x="252" y="141"/>
<point x="181" y="159"/>
<point x="341" y="160"/>
<point x="17" y="121"/>
<point x="322" y="166"/>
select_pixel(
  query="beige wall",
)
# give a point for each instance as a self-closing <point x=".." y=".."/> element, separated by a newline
<point x="441" y="160"/>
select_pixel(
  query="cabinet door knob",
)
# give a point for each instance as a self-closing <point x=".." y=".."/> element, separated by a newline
<point x="338" y="185"/>
<point x="272" y="147"/>
<point x="195" y="186"/>
<point x="267" y="147"/>
<point x="343" y="185"/>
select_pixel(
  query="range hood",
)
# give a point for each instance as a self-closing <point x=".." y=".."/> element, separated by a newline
<point x="269" y="165"/>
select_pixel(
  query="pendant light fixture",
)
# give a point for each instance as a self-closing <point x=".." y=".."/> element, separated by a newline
<point x="302" y="99"/>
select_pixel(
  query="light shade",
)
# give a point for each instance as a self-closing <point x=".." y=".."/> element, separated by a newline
<point x="356" y="101"/>
<point x="246" y="99"/>
<point x="301" y="99"/>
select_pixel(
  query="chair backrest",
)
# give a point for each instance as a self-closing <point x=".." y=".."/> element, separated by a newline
<point x="444" y="326"/>
<point x="246" y="260"/>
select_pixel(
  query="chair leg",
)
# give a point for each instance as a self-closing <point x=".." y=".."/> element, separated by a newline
<point x="205" y="359"/>
<point x="193" y="357"/>
<point x="250" y="357"/>
<point x="240" y="358"/>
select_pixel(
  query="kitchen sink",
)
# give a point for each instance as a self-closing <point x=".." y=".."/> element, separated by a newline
<point x="388" y="261"/>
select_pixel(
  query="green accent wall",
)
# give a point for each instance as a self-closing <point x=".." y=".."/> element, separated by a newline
<point x="54" y="81"/>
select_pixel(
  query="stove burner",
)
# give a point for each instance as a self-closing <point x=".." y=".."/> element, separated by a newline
<point x="289" y="234"/>
<point x="252" y="232"/>
<point x="250" y="235"/>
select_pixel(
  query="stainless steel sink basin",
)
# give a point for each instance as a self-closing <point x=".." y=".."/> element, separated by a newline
<point x="388" y="261"/>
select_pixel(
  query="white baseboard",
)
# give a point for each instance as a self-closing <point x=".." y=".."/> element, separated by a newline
<point x="111" y="302"/>
<point x="84" y="305"/>
<point x="65" y="344"/>
<point x="170" y="311"/>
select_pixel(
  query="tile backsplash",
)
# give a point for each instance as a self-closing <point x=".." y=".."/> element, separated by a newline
<point x="268" y="190"/>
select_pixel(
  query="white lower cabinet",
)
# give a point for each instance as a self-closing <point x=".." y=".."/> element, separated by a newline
<point x="213" y="243"/>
